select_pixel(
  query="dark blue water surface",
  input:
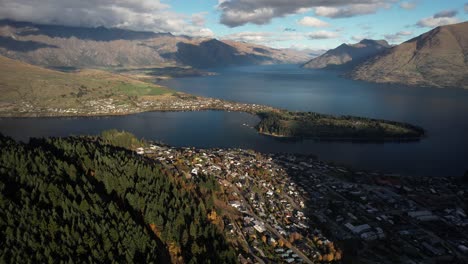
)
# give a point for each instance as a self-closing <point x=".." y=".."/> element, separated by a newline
<point x="442" y="112"/>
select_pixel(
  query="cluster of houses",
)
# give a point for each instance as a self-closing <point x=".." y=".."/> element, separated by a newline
<point x="192" y="103"/>
<point x="111" y="106"/>
<point x="284" y="200"/>
<point x="270" y="205"/>
<point x="425" y="216"/>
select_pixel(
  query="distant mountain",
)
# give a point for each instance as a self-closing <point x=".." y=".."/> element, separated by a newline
<point x="347" y="55"/>
<point x="437" y="58"/>
<point x="214" y="53"/>
<point x="63" y="46"/>
<point x="314" y="52"/>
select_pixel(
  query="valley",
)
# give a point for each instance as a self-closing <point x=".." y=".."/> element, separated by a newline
<point x="233" y="131"/>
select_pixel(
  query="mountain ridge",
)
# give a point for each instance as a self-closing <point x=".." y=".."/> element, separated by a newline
<point x="437" y="58"/>
<point x="347" y="55"/>
<point x="63" y="46"/>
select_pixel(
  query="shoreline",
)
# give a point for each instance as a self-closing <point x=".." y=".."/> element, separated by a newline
<point x="347" y="139"/>
<point x="181" y="102"/>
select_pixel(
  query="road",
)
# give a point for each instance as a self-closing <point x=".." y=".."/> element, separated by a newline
<point x="271" y="229"/>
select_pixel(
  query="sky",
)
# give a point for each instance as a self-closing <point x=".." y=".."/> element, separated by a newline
<point x="300" y="24"/>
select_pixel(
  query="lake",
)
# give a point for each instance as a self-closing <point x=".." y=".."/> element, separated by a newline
<point x="442" y="112"/>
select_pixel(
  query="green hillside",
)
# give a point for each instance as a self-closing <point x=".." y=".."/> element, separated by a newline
<point x="83" y="200"/>
<point x="314" y="125"/>
<point x="23" y="84"/>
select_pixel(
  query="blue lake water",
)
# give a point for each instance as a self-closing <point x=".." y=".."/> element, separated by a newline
<point x="442" y="112"/>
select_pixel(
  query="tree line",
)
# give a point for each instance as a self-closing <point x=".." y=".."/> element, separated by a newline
<point x="84" y="200"/>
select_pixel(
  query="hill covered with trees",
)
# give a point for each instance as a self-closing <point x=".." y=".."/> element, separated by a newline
<point x="313" y="125"/>
<point x="85" y="200"/>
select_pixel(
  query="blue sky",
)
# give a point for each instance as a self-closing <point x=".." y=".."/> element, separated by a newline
<point x="396" y="22"/>
<point x="312" y="24"/>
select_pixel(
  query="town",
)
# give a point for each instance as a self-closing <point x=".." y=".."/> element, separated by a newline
<point x="297" y="209"/>
<point x="124" y="106"/>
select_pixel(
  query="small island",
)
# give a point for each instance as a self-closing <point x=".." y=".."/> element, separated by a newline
<point x="319" y="126"/>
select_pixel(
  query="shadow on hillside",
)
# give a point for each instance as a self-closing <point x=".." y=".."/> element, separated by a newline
<point x="83" y="33"/>
<point x="22" y="46"/>
<point x="212" y="53"/>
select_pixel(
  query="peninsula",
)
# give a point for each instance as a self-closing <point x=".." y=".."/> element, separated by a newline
<point x="328" y="127"/>
<point x="49" y="93"/>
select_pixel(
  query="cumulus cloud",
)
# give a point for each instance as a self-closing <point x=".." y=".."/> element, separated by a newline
<point x="397" y="37"/>
<point x="236" y="13"/>
<point x="253" y="37"/>
<point x="349" y="11"/>
<point x="432" y="22"/>
<point x="312" y="22"/>
<point x="441" y="18"/>
<point x="281" y="38"/>
<point x="323" y="34"/>
<point x="198" y="19"/>
<point x="408" y="5"/>
<point x="266" y="38"/>
<point x="131" y="14"/>
<point x="446" y="13"/>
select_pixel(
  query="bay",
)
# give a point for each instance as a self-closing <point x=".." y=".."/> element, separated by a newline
<point x="442" y="112"/>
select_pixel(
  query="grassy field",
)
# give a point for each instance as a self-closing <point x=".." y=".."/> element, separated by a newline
<point x="140" y="89"/>
<point x="21" y="83"/>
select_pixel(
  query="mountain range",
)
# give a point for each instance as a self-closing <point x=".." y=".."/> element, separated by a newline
<point x="348" y="54"/>
<point x="65" y="46"/>
<point x="438" y="58"/>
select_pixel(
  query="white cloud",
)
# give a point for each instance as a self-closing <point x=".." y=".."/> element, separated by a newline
<point x="312" y="22"/>
<point x="408" y="5"/>
<point x="432" y="22"/>
<point x="130" y="14"/>
<point x="441" y="18"/>
<point x="236" y="13"/>
<point x="198" y="19"/>
<point x="397" y="37"/>
<point x="203" y="32"/>
<point x="327" y="11"/>
<point x="323" y="34"/>
<point x="303" y="10"/>
<point x="253" y="37"/>
<point x="265" y="38"/>
<point x="282" y="39"/>
<point x="446" y="13"/>
<point x="293" y="40"/>
<point x="237" y="18"/>
<point x="349" y="10"/>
